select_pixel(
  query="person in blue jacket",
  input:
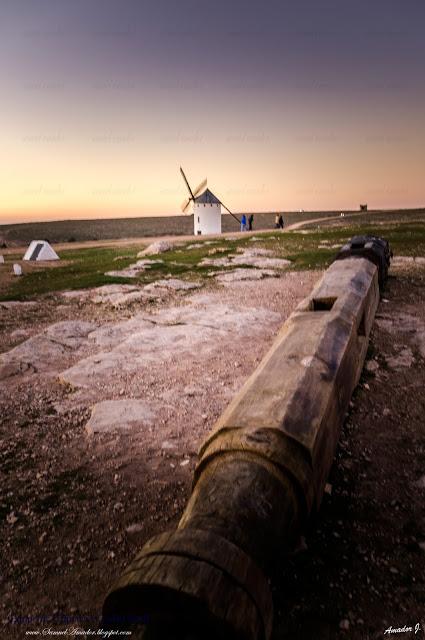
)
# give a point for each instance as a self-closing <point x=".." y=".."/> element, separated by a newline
<point x="243" y="222"/>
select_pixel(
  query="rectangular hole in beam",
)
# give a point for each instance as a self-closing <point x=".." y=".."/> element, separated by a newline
<point x="361" y="329"/>
<point x="322" y="304"/>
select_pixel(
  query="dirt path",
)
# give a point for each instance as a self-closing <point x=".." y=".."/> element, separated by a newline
<point x="303" y="223"/>
<point x="128" y="242"/>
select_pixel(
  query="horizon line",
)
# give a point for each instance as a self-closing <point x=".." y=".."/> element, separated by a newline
<point x="179" y="215"/>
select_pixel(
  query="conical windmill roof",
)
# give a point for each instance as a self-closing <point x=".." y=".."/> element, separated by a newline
<point x="207" y="196"/>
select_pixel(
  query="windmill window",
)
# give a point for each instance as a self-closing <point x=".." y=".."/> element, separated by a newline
<point x="198" y="218"/>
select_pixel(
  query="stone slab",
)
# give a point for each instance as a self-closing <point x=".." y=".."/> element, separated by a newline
<point x="116" y="415"/>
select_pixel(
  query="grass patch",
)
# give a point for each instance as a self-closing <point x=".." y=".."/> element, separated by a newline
<point x="86" y="268"/>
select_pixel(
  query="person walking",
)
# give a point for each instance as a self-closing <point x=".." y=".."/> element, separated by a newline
<point x="243" y="222"/>
<point x="276" y="221"/>
<point x="281" y="223"/>
<point x="250" y="222"/>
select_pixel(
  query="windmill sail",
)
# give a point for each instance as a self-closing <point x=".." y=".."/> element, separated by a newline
<point x="200" y="188"/>
<point x="186" y="202"/>
<point x="187" y="183"/>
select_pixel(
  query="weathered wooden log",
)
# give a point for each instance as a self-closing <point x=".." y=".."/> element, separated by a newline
<point x="261" y="471"/>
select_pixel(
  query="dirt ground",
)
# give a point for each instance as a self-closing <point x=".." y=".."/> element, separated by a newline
<point x="77" y="507"/>
<point x="361" y="566"/>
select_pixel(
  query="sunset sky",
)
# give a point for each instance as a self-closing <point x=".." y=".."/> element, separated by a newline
<point x="282" y="105"/>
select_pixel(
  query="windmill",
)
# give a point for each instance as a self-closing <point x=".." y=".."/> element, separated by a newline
<point x="206" y="208"/>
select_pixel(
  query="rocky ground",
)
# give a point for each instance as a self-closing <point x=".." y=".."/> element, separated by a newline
<point x="103" y="407"/>
<point x="104" y="402"/>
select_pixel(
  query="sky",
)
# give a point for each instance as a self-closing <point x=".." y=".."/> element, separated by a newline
<point x="282" y="105"/>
